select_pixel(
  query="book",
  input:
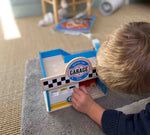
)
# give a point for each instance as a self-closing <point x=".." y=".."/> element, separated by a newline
<point x="79" y="25"/>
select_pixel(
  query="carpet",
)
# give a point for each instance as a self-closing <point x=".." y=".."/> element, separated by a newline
<point x="36" y="121"/>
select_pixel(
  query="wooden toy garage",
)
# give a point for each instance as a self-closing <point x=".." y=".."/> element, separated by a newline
<point x="63" y="71"/>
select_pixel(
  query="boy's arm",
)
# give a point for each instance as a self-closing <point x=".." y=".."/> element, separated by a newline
<point x="116" y="123"/>
<point x="113" y="122"/>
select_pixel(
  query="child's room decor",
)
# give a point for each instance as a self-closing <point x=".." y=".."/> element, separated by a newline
<point x="63" y="71"/>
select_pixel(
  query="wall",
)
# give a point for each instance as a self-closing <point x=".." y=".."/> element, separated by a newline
<point x="24" y="8"/>
<point x="140" y="1"/>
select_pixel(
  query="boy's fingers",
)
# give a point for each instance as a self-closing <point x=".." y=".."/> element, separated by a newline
<point x="75" y="95"/>
<point x="84" y="90"/>
<point x="78" y="91"/>
<point x="73" y="99"/>
<point x="74" y="103"/>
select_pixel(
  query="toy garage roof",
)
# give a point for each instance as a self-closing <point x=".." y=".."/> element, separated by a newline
<point x="54" y="62"/>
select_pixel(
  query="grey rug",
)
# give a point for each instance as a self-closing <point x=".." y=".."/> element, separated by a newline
<point x="36" y="121"/>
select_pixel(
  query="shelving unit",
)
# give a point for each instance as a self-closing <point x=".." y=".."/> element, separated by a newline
<point x="56" y="6"/>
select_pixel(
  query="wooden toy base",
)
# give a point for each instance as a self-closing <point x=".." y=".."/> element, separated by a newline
<point x="95" y="93"/>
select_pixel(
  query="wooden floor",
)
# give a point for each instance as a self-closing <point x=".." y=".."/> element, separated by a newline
<point x="15" y="52"/>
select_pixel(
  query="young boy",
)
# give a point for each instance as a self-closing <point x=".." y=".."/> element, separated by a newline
<point x="123" y="64"/>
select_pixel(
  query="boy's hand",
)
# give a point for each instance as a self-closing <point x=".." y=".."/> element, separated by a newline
<point x="81" y="100"/>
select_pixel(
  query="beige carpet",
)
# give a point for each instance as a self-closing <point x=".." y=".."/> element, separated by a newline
<point x="15" y="52"/>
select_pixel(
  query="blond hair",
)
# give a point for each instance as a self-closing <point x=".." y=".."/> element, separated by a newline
<point x="123" y="60"/>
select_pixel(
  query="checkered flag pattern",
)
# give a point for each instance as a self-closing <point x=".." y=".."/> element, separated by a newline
<point x="50" y="84"/>
<point x="93" y="73"/>
<point x="56" y="82"/>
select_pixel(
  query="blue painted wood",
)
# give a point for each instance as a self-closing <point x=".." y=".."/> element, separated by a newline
<point x="52" y="53"/>
<point x="42" y="65"/>
<point x="102" y="85"/>
<point x="48" y="101"/>
<point x="87" y="54"/>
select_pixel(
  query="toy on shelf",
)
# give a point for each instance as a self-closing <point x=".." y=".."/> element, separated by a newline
<point x="63" y="71"/>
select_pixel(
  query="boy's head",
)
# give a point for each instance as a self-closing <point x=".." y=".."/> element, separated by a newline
<point x="123" y="60"/>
